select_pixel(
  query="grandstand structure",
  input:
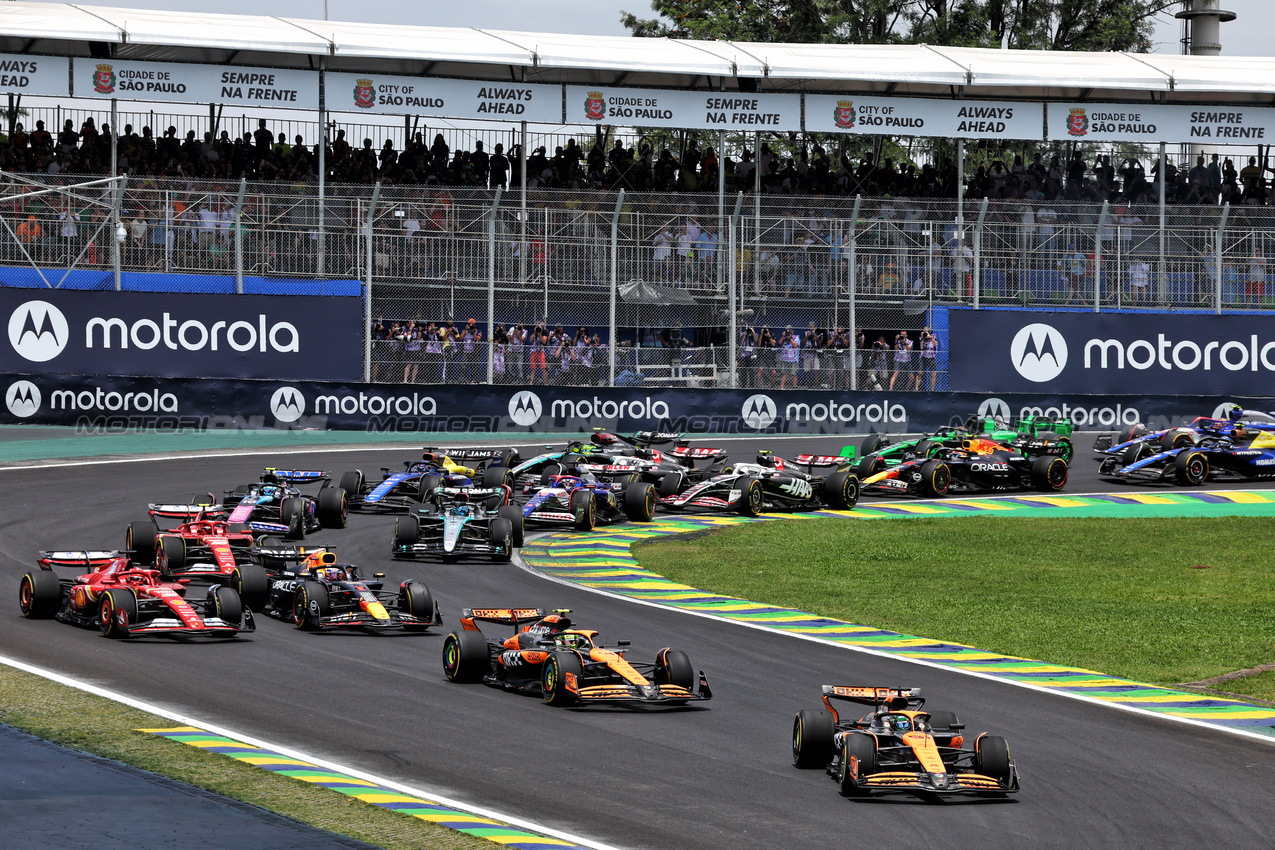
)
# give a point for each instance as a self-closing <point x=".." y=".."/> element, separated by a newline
<point x="634" y="266"/>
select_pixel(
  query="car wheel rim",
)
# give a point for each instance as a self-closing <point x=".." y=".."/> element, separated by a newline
<point x="25" y="594"/>
<point x="450" y="659"/>
<point x="106" y="614"/>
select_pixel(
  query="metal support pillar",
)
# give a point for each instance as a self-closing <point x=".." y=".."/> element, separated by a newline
<point x="119" y="197"/>
<point x="733" y="276"/>
<point x="522" y="217"/>
<point x="978" y="254"/>
<point x="960" y="194"/>
<point x="367" y="285"/>
<point x="1097" y="256"/>
<point x="615" y="284"/>
<point x="491" y="286"/>
<point x="1217" y="283"/>
<point x="757" y="212"/>
<point x="854" y="285"/>
<point x="323" y="166"/>
<point x="1161" y="282"/>
<point x="238" y="235"/>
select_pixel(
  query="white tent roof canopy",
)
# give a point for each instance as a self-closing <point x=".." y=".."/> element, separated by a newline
<point x="67" y="29"/>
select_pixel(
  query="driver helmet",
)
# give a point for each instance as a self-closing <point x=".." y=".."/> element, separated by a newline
<point x="572" y="641"/>
<point x="462" y="510"/>
<point x="1234" y="412"/>
<point x="765" y="459"/>
<point x="332" y="574"/>
<point x="268" y="489"/>
<point x="900" y="723"/>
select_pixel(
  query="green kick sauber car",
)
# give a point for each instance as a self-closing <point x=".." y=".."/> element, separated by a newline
<point x="1030" y="436"/>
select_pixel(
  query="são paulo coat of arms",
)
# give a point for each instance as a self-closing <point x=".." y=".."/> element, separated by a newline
<point x="1077" y="122"/>
<point x="104" y="80"/>
<point x="364" y="94"/>
<point x="595" y="106"/>
<point x="843" y="115"/>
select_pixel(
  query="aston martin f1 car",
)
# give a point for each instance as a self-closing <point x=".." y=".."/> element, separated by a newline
<point x="899" y="747"/>
<point x="405" y="490"/>
<point x="970" y="469"/>
<point x="275" y="505"/>
<point x="772" y="483"/>
<point x="1240" y="455"/>
<point x="547" y="655"/>
<point x="205" y="548"/>
<point x="582" y="501"/>
<point x="460" y="521"/>
<point x="125" y="601"/>
<point x="316" y="593"/>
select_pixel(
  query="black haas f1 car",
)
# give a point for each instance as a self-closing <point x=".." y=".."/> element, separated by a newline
<point x="567" y="666"/>
<point x="973" y="468"/>
<point x="405" y="490"/>
<point x="203" y="547"/>
<point x="772" y="483"/>
<point x="899" y="747"/>
<point x="275" y="505"/>
<point x="460" y="521"/>
<point x="125" y="601"/>
<point x="316" y="593"/>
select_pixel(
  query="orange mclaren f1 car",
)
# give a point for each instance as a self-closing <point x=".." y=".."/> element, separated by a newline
<point x="566" y="665"/>
<point x="899" y="747"/>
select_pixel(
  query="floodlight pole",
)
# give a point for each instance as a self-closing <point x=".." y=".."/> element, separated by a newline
<point x="491" y="286"/>
<point x="854" y="285"/>
<point x="615" y="283"/>
<point x="978" y="254"/>
<point x="367" y="290"/>
<point x="1097" y="256"/>
<point x="733" y="277"/>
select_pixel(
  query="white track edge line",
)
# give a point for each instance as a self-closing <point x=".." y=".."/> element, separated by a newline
<point x="224" y="731"/>
<point x="1203" y="724"/>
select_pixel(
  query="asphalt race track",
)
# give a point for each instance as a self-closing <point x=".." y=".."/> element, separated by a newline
<point x="713" y="777"/>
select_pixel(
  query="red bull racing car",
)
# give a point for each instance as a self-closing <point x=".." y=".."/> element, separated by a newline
<point x="203" y="547"/>
<point x="976" y="467"/>
<point x="548" y="655"/>
<point x="899" y="747"/>
<point x="125" y="601"/>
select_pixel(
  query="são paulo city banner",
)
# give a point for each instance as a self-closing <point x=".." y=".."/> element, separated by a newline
<point x="47" y="75"/>
<point x="904" y="116"/>
<point x="1123" y="122"/>
<point x="383" y="93"/>
<point x="680" y="109"/>
<point x="189" y="83"/>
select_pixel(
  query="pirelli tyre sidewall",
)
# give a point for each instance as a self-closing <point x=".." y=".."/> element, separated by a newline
<point x="936" y="478"/>
<point x="858" y="760"/>
<point x="1191" y="468"/>
<point x="117" y="611"/>
<point x="553" y="680"/>
<point x="752" y="497"/>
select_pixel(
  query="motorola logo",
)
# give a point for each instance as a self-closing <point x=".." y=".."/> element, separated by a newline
<point x="997" y="408"/>
<point x="1039" y="352"/>
<point x="525" y="408"/>
<point x="759" y="411"/>
<point x="287" y="404"/>
<point x="38" y="331"/>
<point x="22" y="399"/>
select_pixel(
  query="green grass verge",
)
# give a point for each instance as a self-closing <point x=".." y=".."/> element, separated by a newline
<point x="96" y="725"/>
<point x="1260" y="686"/>
<point x="1122" y="596"/>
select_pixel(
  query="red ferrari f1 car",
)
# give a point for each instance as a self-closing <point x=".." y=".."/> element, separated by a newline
<point x="125" y="601"/>
<point x="899" y="747"/>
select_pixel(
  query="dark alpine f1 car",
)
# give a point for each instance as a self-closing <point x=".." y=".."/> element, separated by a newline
<point x="899" y="747"/>
<point x="406" y="490"/>
<point x="772" y="483"/>
<point x="970" y="469"/>
<point x="547" y="655"/>
<point x="203" y="547"/>
<point x="275" y="505"/>
<point x="123" y="600"/>
<point x="460" y="521"/>
<point x="317" y="594"/>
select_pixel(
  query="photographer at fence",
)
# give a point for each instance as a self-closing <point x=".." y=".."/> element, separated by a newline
<point x="902" y="360"/>
<point x="929" y="361"/>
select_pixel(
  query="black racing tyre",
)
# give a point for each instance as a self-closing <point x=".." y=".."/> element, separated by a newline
<point x="553" y="679"/>
<point x="639" y="502"/>
<point x="936" y="478"/>
<point x="1191" y="468"/>
<point x="427" y="484"/>
<point x="1134" y="453"/>
<point x="139" y="538"/>
<point x="752" y="498"/>
<point x="1131" y="433"/>
<point x="1178" y="438"/>
<point x="927" y="448"/>
<point x="841" y="490"/>
<point x="871" y="444"/>
<point x="585" y="510"/>
<point x="869" y="466"/>
<point x="310" y="605"/>
<point x="812" y="738"/>
<point x="669" y="484"/>
<point x="170" y="554"/>
<point x="292" y="514"/>
<point x="252" y="584"/>
<point x="513" y="513"/>
<point x="225" y="604"/>
<point x="508" y="458"/>
<point x="39" y="594"/>
<point x="502" y="537"/>
<point x="858" y="759"/>
<point x="415" y="599"/>
<point x="116" y="611"/>
<point x="352" y="482"/>
<point x="497" y="476"/>
<point x="992" y="757"/>
<point x="941" y="721"/>
<point x="333" y="507"/>
<point x="407" y="531"/>
<point x="466" y="657"/>
<point x="673" y="667"/>
<point x="547" y="474"/>
<point x="1049" y="473"/>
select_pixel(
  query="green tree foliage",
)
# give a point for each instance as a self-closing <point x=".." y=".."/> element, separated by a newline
<point x="1020" y="24"/>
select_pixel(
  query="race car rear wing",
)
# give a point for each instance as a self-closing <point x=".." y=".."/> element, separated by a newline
<point x="696" y="453"/>
<point x="811" y="461"/>
<point x="187" y="513"/>
<point x="88" y="560"/>
<point x="641" y="438"/>
<point x="295" y="476"/>
<point x="894" y="698"/>
<point x="314" y="556"/>
<point x="506" y="616"/>
<point x="494" y="455"/>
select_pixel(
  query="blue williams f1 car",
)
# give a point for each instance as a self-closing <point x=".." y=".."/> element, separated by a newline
<point x="1242" y="454"/>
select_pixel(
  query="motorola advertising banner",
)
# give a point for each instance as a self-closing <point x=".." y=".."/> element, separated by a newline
<point x="121" y="404"/>
<point x="895" y="116"/>
<point x="182" y="334"/>
<point x="1105" y="353"/>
